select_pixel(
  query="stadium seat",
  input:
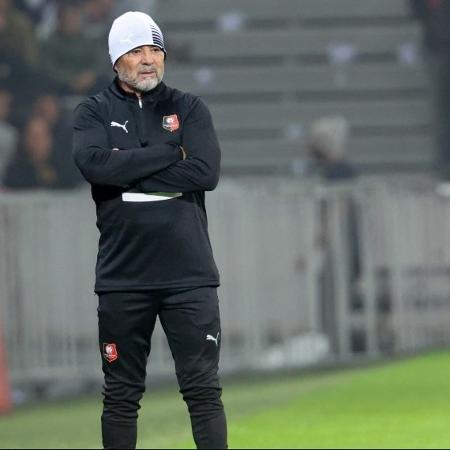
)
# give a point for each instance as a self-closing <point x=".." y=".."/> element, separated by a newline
<point x="295" y="80"/>
<point x="361" y="113"/>
<point x="268" y="43"/>
<point x="368" y="152"/>
<point x="178" y="13"/>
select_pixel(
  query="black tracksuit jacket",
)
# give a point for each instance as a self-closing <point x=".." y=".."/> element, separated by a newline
<point x="158" y="244"/>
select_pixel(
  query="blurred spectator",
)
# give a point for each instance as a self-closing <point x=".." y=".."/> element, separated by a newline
<point x="32" y="167"/>
<point x="328" y="141"/>
<point x="69" y="55"/>
<point x="8" y="133"/>
<point x="16" y="34"/>
<point x="99" y="14"/>
<point x="328" y="145"/>
<point x="21" y="100"/>
<point x="43" y="13"/>
<point x="48" y="107"/>
<point x="434" y="16"/>
<point x="19" y="60"/>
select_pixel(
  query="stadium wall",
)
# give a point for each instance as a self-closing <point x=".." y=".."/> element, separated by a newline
<point x="310" y="274"/>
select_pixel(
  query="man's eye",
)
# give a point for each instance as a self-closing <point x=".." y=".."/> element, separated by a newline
<point x="136" y="51"/>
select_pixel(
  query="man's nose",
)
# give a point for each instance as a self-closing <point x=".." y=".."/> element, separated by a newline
<point x="148" y="56"/>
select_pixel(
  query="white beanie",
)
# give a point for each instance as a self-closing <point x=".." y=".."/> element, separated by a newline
<point x="131" y="30"/>
<point x="330" y="134"/>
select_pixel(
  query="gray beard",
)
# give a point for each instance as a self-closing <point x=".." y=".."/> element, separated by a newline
<point x="140" y="86"/>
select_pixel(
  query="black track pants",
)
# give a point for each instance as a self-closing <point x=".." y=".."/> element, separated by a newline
<point x="190" y="319"/>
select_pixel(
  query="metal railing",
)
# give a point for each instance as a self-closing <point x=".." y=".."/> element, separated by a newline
<point x="310" y="273"/>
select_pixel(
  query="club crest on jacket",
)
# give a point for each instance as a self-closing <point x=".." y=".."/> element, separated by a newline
<point x="171" y="123"/>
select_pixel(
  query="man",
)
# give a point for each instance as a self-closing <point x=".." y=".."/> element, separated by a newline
<point x="150" y="152"/>
<point x="328" y="143"/>
<point x="32" y="166"/>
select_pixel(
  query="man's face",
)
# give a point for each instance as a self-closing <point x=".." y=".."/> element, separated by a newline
<point x="38" y="140"/>
<point x="142" y="68"/>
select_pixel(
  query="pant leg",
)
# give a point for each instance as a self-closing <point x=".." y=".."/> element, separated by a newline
<point x="191" y="321"/>
<point x="126" y="322"/>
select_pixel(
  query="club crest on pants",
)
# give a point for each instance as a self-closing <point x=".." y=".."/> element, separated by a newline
<point x="110" y="352"/>
<point x="171" y="123"/>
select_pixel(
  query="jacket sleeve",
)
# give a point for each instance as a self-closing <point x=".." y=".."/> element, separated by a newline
<point x="201" y="169"/>
<point x="100" y="164"/>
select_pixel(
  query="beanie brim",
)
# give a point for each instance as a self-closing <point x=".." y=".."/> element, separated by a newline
<point x="139" y="44"/>
<point x="131" y="30"/>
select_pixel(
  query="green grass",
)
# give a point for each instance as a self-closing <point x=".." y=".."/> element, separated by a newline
<point x="403" y="404"/>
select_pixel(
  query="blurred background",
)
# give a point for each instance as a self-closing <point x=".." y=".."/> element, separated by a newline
<point x="331" y="222"/>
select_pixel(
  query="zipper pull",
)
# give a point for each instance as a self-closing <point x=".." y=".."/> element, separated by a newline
<point x="140" y="102"/>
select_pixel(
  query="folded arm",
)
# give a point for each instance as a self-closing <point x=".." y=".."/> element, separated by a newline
<point x="100" y="164"/>
<point x="201" y="169"/>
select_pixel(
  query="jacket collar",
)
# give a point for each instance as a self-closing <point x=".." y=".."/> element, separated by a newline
<point x="147" y="97"/>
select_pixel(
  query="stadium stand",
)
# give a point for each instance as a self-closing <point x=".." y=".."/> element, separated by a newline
<point x="268" y="71"/>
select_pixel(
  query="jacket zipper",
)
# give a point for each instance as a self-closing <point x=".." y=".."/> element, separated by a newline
<point x="140" y="121"/>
